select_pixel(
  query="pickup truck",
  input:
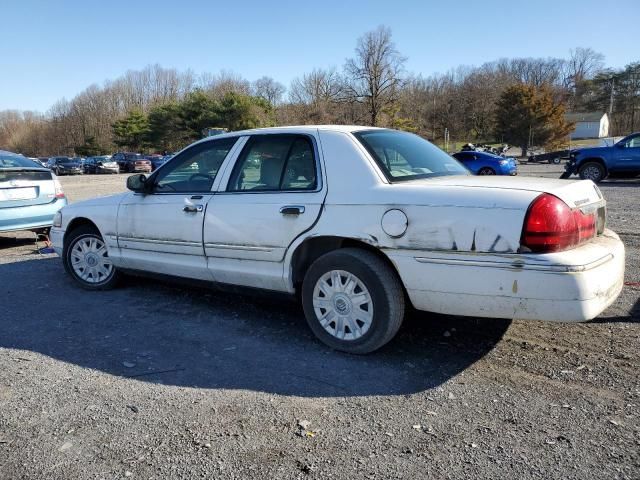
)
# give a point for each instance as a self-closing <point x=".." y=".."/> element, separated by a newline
<point x="621" y="159"/>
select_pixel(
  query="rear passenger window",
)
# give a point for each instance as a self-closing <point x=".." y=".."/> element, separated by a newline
<point x="275" y="162"/>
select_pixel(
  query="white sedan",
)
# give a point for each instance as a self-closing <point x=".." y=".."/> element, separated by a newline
<point x="361" y="223"/>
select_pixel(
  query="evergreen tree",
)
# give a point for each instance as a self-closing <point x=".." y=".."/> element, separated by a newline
<point x="528" y="115"/>
<point x="131" y="132"/>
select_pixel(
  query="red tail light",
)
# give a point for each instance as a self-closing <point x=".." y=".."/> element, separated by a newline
<point x="59" y="192"/>
<point x="550" y="225"/>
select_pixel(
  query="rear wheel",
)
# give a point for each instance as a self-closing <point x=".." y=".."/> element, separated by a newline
<point x="86" y="259"/>
<point x="593" y="171"/>
<point x="486" y="171"/>
<point x="353" y="300"/>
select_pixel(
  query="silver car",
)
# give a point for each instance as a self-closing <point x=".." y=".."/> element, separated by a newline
<point x="30" y="194"/>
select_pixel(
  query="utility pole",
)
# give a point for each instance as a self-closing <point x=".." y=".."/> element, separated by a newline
<point x="613" y="84"/>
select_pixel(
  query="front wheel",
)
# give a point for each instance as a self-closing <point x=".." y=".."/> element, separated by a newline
<point x="353" y="300"/>
<point x="86" y="259"/>
<point x="593" y="171"/>
<point x="486" y="171"/>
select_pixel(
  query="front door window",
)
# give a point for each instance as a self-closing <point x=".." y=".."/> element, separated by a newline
<point x="195" y="169"/>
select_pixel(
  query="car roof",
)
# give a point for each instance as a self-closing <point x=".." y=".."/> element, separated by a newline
<point x="479" y="152"/>
<point x="308" y="129"/>
<point x="489" y="154"/>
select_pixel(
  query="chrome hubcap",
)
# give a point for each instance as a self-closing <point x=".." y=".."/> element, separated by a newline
<point x="90" y="261"/>
<point x="343" y="305"/>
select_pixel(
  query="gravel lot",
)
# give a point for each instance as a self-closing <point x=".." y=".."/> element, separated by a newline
<point x="161" y="381"/>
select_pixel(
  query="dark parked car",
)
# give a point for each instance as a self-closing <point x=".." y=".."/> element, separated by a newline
<point x="156" y="161"/>
<point x="621" y="159"/>
<point x="132" y="162"/>
<point x="100" y="164"/>
<point x="554" y="157"/>
<point x="484" y="163"/>
<point x="65" y="166"/>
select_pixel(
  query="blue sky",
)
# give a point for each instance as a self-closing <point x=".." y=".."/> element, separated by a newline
<point x="54" y="49"/>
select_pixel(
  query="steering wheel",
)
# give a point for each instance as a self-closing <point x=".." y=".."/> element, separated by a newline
<point x="165" y="185"/>
<point x="196" y="175"/>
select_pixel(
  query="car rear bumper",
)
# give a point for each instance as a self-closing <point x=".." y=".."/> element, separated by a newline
<point x="572" y="286"/>
<point x="107" y="170"/>
<point x="29" y="217"/>
<point x="508" y="170"/>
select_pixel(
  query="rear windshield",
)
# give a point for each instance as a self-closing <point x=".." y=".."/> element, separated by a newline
<point x="8" y="175"/>
<point x="405" y="156"/>
<point x="16" y="161"/>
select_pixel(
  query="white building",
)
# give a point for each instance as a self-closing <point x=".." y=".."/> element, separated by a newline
<point x="589" y="124"/>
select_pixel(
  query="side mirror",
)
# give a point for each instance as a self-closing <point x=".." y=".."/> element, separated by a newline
<point x="137" y="183"/>
<point x="621" y="145"/>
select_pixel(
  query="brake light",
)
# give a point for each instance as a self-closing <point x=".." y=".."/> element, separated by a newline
<point x="550" y="225"/>
<point x="59" y="192"/>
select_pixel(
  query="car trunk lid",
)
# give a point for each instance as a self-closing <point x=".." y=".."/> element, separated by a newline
<point x="23" y="186"/>
<point x="576" y="194"/>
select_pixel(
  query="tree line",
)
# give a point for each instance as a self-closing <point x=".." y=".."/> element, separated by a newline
<point x="520" y="101"/>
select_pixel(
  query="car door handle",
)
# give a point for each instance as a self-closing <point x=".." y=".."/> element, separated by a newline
<point x="292" y="209"/>
<point x="192" y="208"/>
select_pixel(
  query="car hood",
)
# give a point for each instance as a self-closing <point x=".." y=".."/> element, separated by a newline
<point x="98" y="201"/>
<point x="589" y="150"/>
<point x="574" y="193"/>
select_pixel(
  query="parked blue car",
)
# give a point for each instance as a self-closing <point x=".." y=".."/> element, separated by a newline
<point x="597" y="163"/>
<point x="484" y="163"/>
<point x="30" y="194"/>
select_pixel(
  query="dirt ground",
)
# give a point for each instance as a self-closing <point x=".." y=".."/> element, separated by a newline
<point x="157" y="381"/>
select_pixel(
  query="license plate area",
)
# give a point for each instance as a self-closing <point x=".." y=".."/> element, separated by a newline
<point x="21" y="193"/>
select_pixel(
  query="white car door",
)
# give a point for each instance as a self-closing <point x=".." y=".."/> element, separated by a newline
<point x="161" y="231"/>
<point x="273" y="193"/>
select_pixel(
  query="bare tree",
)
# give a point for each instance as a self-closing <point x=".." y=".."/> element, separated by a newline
<point x="224" y="82"/>
<point x="267" y="88"/>
<point x="584" y="64"/>
<point x="317" y="87"/>
<point x="375" y="72"/>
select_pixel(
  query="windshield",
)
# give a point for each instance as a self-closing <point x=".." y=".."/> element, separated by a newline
<point x="16" y="161"/>
<point x="405" y="156"/>
<point x="132" y="156"/>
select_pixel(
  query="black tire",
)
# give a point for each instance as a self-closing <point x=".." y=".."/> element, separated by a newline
<point x="593" y="171"/>
<point x="72" y="239"/>
<point x="385" y="289"/>
<point x="486" y="171"/>
<point x="555" y="160"/>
